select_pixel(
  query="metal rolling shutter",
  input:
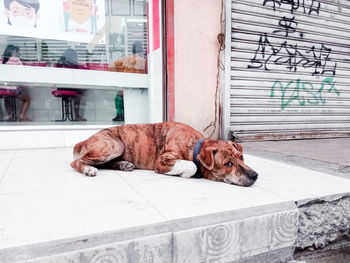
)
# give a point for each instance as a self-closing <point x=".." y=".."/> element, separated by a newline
<point x="290" y="69"/>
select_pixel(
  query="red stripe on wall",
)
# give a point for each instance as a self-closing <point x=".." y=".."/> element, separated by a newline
<point x="169" y="20"/>
<point x="156" y="25"/>
<point x="147" y="7"/>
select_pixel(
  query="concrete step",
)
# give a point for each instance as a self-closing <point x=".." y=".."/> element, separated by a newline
<point x="50" y="213"/>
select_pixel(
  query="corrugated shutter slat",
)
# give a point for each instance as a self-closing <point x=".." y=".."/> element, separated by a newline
<point x="290" y="68"/>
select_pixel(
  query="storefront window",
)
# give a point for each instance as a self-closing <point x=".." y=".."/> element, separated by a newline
<point x="68" y="37"/>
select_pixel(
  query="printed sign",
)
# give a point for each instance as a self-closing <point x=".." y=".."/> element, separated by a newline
<point x="70" y="20"/>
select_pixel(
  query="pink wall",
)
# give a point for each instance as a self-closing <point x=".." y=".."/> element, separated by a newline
<point x="196" y="25"/>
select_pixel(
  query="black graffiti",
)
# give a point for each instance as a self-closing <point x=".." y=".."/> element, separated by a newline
<point x="291" y="57"/>
<point x="313" y="8"/>
<point x="288" y="26"/>
<point x="305" y="6"/>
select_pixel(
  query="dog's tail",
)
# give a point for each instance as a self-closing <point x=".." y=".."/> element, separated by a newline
<point x="77" y="149"/>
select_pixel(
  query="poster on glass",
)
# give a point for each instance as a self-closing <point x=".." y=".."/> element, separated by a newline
<point x="70" y="20"/>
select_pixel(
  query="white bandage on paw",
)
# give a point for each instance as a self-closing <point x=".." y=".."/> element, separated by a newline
<point x="183" y="168"/>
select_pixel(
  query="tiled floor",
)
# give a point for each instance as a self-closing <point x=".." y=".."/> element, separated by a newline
<point x="43" y="199"/>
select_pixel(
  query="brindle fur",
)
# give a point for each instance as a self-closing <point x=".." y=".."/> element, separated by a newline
<point x="157" y="147"/>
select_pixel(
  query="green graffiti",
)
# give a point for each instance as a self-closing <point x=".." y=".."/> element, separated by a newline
<point x="304" y="92"/>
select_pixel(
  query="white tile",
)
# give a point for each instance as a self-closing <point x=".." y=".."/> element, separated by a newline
<point x="66" y="213"/>
<point x="88" y="114"/>
<point x="60" y="203"/>
<point x="42" y="191"/>
<point x="6" y="158"/>
<point x="135" y="113"/>
<point x="55" y="104"/>
<point x="55" y="115"/>
<point x="47" y="170"/>
<point x="104" y="99"/>
<point x="105" y="115"/>
<point x="136" y="105"/>
<point x="177" y="197"/>
<point x="39" y="115"/>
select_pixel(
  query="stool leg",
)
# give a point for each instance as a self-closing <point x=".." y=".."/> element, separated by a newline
<point x="2" y="111"/>
<point x="64" y="117"/>
<point x="70" y="112"/>
<point x="66" y="108"/>
<point x="13" y="102"/>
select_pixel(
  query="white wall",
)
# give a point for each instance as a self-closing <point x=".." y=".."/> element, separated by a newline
<point x="196" y="25"/>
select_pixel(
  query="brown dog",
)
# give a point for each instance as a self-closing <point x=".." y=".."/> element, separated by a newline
<point x="170" y="148"/>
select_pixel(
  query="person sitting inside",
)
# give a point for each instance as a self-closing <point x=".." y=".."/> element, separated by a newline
<point x="69" y="59"/>
<point x="11" y="57"/>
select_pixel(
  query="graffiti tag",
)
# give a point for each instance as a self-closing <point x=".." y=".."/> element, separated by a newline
<point x="291" y="57"/>
<point x="306" y="6"/>
<point x="288" y="25"/>
<point x="303" y="92"/>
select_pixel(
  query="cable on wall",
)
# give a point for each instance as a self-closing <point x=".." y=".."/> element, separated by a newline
<point x="220" y="66"/>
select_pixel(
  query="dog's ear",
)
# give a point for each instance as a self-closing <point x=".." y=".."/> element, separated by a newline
<point x="206" y="157"/>
<point x="237" y="146"/>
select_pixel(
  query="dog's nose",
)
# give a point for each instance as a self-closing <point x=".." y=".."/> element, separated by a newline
<point x="252" y="175"/>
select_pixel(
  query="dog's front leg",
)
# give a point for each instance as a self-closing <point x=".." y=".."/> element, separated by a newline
<point x="169" y="164"/>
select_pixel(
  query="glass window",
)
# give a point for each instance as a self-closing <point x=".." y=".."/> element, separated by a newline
<point x="68" y="37"/>
<point x="97" y="106"/>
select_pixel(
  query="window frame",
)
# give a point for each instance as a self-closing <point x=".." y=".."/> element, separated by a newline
<point x="73" y="78"/>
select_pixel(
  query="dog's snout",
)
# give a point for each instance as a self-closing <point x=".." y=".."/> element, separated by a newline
<point x="251" y="174"/>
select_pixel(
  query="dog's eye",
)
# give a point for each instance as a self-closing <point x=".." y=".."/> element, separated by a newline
<point x="228" y="164"/>
<point x="241" y="157"/>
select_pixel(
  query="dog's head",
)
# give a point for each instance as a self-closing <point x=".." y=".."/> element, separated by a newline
<point x="223" y="161"/>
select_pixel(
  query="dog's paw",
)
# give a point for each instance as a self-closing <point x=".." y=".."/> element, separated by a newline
<point x="90" y="171"/>
<point x="126" y="166"/>
<point x="183" y="168"/>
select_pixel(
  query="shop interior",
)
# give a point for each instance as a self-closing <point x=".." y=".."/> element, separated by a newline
<point x="125" y="26"/>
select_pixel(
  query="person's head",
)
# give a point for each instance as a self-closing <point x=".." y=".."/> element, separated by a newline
<point x="137" y="48"/>
<point x="69" y="59"/>
<point x="10" y="51"/>
<point x="21" y="8"/>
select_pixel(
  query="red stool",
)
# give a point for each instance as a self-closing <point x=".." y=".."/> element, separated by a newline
<point x="67" y="107"/>
<point x="10" y="95"/>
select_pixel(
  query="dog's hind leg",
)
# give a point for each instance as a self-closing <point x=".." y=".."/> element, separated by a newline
<point x="97" y="150"/>
<point x="118" y="165"/>
<point x="83" y="166"/>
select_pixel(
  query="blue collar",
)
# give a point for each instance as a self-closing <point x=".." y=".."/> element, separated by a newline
<point x="196" y="151"/>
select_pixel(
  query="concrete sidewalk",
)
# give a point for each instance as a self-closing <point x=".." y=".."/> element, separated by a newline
<point x="325" y="155"/>
<point x="50" y="213"/>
